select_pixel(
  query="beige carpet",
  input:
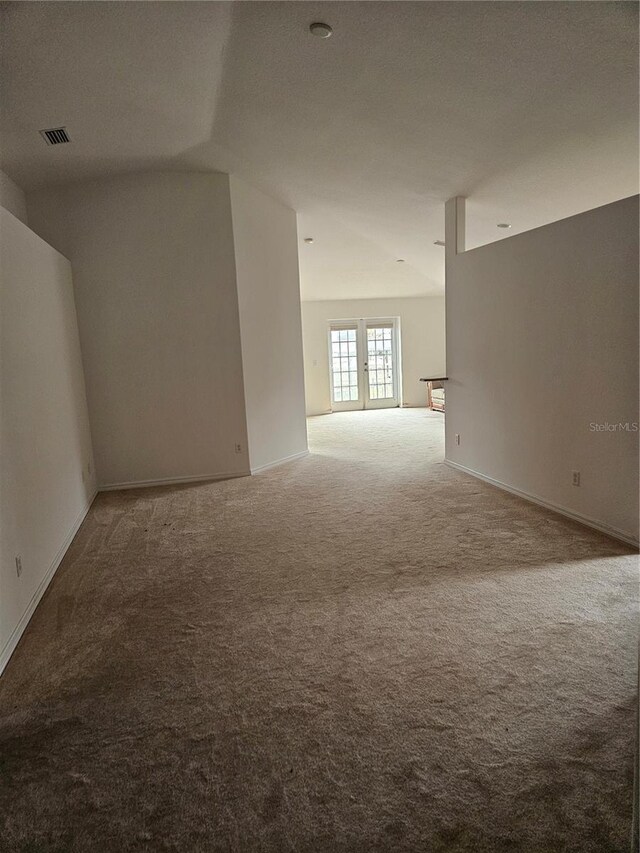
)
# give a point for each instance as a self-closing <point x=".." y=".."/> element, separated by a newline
<point x="363" y="650"/>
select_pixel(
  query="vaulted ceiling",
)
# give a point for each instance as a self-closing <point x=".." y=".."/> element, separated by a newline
<point x="530" y="109"/>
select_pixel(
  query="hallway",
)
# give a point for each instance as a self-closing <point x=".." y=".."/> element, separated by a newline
<point x="362" y="650"/>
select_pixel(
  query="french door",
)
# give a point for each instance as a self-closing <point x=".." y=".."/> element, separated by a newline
<point x="363" y="364"/>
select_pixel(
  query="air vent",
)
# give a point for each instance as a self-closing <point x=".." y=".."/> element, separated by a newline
<point x="55" y="136"/>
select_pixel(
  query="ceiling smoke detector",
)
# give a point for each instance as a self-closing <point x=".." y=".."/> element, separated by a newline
<point x="308" y="239"/>
<point x="504" y="225"/>
<point x="322" y="31"/>
<point x="55" y="135"/>
<point x="399" y="260"/>
<point x="438" y="242"/>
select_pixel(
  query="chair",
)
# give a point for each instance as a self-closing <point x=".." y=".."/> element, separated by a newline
<point x="435" y="393"/>
<point x="435" y="396"/>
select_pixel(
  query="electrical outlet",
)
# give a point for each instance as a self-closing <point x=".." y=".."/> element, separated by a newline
<point x="457" y="438"/>
<point x="238" y="448"/>
<point x="575" y="478"/>
<point x="18" y="565"/>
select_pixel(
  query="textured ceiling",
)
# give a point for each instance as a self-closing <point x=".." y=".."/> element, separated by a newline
<point x="530" y="109"/>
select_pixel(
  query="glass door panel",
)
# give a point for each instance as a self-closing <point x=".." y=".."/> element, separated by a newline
<point x="381" y="373"/>
<point x="346" y="385"/>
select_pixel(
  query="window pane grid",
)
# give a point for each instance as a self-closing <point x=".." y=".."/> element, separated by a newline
<point x="380" y="363"/>
<point x="344" y="365"/>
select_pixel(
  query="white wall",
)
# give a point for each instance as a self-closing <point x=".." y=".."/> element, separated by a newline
<point x="12" y="198"/>
<point x="154" y="274"/>
<point x="266" y="251"/>
<point x="46" y="463"/>
<point x="542" y="342"/>
<point x="422" y="329"/>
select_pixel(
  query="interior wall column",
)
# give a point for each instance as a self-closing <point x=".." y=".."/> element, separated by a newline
<point x="455" y="226"/>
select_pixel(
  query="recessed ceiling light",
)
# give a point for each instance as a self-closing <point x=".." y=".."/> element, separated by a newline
<point x="504" y="225"/>
<point x="308" y="239"/>
<point x="399" y="260"/>
<point x="323" y="31"/>
<point x="438" y="243"/>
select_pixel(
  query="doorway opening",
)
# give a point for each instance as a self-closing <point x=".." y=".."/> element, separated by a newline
<point x="364" y="364"/>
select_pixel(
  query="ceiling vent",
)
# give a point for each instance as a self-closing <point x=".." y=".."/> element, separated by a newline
<point x="55" y="136"/>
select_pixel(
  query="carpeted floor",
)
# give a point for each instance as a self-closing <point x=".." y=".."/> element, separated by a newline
<point x="363" y="650"/>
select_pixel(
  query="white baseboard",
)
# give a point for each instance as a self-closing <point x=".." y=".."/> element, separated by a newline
<point x="620" y="535"/>
<point x="171" y="481"/>
<point x="18" y="631"/>
<point x="284" y="459"/>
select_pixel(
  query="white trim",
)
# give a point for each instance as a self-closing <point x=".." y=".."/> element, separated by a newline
<point x="14" y="639"/>
<point x="561" y="510"/>
<point x="284" y="459"/>
<point x="169" y="481"/>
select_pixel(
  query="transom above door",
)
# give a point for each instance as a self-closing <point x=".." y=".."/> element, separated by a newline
<point x="363" y="364"/>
